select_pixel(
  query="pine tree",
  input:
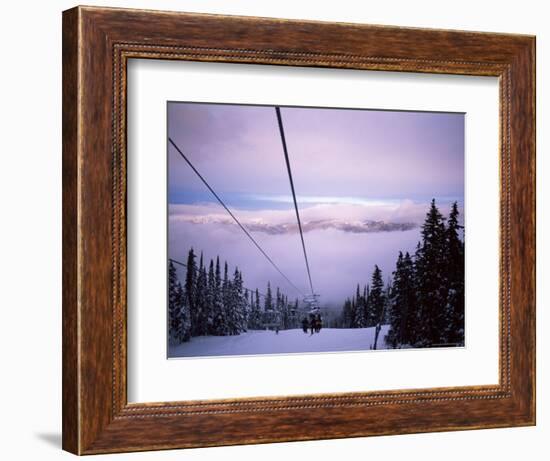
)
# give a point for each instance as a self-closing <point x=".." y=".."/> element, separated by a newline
<point x="269" y="306"/>
<point x="238" y="316"/>
<point x="211" y="298"/>
<point x="268" y="303"/>
<point x="218" y="314"/>
<point x="224" y="326"/>
<point x="411" y="320"/>
<point x="231" y="308"/>
<point x="402" y="304"/>
<point x="287" y="317"/>
<point x="248" y="307"/>
<point x="255" y="319"/>
<point x="360" y="320"/>
<point x="295" y="314"/>
<point x="201" y="302"/>
<point x="347" y="314"/>
<point x="454" y="332"/>
<point x="387" y="294"/>
<point x="431" y="279"/>
<point x="376" y="298"/>
<point x="367" y="308"/>
<point x="353" y="313"/>
<point x="190" y="289"/>
<point x="179" y="323"/>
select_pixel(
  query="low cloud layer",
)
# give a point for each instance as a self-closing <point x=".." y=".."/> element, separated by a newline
<point x="357" y="219"/>
<point x="356" y="227"/>
<point x="343" y="242"/>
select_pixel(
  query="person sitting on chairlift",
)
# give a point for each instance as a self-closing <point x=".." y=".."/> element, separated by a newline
<point x="318" y="323"/>
<point x="305" y="324"/>
<point x="312" y="323"/>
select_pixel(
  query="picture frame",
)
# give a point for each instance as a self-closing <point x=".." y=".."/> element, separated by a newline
<point x="97" y="45"/>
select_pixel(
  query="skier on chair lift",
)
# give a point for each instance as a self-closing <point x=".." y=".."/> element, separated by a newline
<point x="305" y="324"/>
<point x="318" y="323"/>
<point x="312" y="323"/>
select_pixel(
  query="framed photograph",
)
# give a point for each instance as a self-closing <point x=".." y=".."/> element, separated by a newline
<point x="280" y="230"/>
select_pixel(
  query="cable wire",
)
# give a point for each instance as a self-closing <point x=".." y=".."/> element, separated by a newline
<point x="233" y="216"/>
<point x="282" y="131"/>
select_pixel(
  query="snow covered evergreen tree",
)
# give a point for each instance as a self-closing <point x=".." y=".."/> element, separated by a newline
<point x="360" y="319"/>
<point x="248" y="302"/>
<point x="200" y="324"/>
<point x="179" y="322"/>
<point x="255" y="319"/>
<point x="190" y="288"/>
<point x="424" y="301"/>
<point x="348" y="317"/>
<point x="367" y="308"/>
<point x="268" y="304"/>
<point x="217" y="309"/>
<point x="210" y="298"/>
<point x="431" y="279"/>
<point x="384" y="320"/>
<point x="454" y="332"/>
<point x="295" y="314"/>
<point x="220" y="326"/>
<point x="402" y="315"/>
<point x="376" y="298"/>
<point x="237" y="307"/>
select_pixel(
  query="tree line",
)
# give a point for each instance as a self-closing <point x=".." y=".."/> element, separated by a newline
<point x="209" y="304"/>
<point x="424" y="302"/>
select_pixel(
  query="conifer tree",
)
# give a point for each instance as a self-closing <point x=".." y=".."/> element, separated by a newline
<point x="367" y="308"/>
<point x="360" y="320"/>
<point x="431" y="279"/>
<point x="268" y="305"/>
<point x="179" y="323"/>
<point x="255" y="319"/>
<point x="347" y="314"/>
<point x="387" y="294"/>
<point x="376" y="298"/>
<point x="238" y="305"/>
<point x="200" y="323"/>
<point x="190" y="288"/>
<point x="455" y="272"/>
<point x="402" y="303"/>
<point x="218" y="314"/>
<point x="210" y="297"/>
<point x="286" y="314"/>
<point x="247" y="307"/>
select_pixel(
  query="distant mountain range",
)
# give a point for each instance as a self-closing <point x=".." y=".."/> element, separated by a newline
<point x="355" y="227"/>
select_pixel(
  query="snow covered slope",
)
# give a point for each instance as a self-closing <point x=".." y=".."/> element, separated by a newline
<point x="287" y="341"/>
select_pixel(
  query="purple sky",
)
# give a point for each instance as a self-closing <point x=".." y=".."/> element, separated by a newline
<point x="353" y="170"/>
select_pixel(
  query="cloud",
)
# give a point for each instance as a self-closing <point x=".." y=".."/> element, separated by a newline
<point x="346" y="217"/>
<point x="356" y="227"/>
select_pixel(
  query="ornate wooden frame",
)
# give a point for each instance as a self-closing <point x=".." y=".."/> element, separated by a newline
<point x="97" y="43"/>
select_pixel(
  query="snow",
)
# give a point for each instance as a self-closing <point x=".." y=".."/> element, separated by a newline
<point x="286" y="342"/>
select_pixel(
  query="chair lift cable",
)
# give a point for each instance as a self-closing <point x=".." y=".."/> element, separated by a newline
<point x="281" y="129"/>
<point x="233" y="216"/>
